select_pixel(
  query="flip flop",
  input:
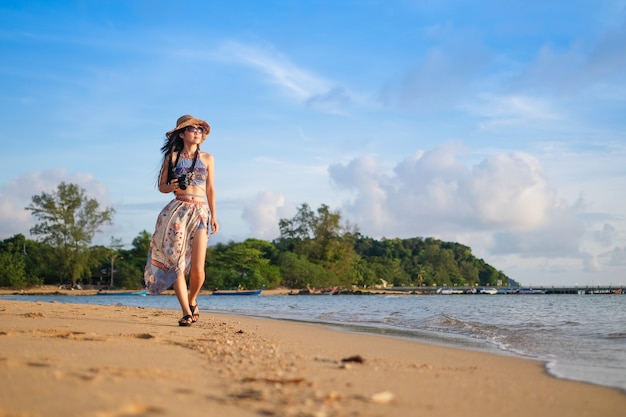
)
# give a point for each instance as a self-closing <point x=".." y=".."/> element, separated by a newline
<point x="195" y="313"/>
<point x="186" y="321"/>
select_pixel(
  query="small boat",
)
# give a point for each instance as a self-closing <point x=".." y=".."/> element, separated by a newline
<point x="448" y="291"/>
<point x="238" y="292"/>
<point x="143" y="292"/>
<point x="489" y="291"/>
<point x="530" y="291"/>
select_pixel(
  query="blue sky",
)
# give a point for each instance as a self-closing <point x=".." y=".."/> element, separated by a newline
<point x="497" y="124"/>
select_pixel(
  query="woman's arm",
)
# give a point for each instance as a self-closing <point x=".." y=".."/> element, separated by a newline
<point x="210" y="190"/>
<point x="164" y="186"/>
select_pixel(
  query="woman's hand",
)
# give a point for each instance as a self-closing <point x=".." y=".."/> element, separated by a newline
<point x="169" y="188"/>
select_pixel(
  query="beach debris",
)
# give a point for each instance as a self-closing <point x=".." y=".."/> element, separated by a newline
<point x="282" y="381"/>
<point x="34" y="315"/>
<point x="355" y="359"/>
<point x="250" y="394"/>
<point x="384" y="397"/>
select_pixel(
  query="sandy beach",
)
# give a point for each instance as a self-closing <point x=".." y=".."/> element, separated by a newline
<point x="80" y="360"/>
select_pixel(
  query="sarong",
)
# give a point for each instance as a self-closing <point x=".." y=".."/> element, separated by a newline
<point x="170" y="248"/>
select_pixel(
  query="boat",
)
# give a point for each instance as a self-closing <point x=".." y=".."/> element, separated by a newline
<point x="238" y="292"/>
<point x="529" y="291"/>
<point x="143" y="292"/>
<point x="490" y="291"/>
<point x="507" y="291"/>
<point x="448" y="291"/>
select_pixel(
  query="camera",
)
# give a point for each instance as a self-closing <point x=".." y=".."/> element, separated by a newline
<point x="183" y="181"/>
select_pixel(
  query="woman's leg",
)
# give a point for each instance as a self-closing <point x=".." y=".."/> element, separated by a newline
<point x="180" y="288"/>
<point x="198" y="257"/>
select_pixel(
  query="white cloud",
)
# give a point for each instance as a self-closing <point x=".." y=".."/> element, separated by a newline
<point x="616" y="257"/>
<point x="591" y="263"/>
<point x="607" y="235"/>
<point x="17" y="194"/>
<point x="560" y="235"/>
<point x="509" y="190"/>
<point x="264" y="213"/>
<point x="505" y="207"/>
<point x="364" y="174"/>
<point x="302" y="85"/>
<point x="433" y="194"/>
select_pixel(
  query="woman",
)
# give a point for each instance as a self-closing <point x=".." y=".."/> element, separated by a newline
<point x="181" y="234"/>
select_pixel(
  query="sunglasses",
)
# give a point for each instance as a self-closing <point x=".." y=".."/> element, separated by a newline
<point x="194" y="129"/>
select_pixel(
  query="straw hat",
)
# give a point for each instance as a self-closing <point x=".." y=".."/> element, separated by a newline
<point x="189" y="120"/>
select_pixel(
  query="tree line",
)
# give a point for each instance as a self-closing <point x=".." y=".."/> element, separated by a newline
<point x="316" y="248"/>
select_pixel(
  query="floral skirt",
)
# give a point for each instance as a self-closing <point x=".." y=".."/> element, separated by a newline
<point x="170" y="248"/>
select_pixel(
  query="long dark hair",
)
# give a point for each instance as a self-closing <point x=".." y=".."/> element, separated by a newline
<point x="173" y="143"/>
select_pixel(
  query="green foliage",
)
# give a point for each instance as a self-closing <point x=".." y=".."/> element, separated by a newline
<point x="388" y="270"/>
<point x="14" y="271"/>
<point x="128" y="275"/>
<point x="426" y="262"/>
<point x="127" y="265"/>
<point x="42" y="262"/>
<point x="141" y="244"/>
<point x="68" y="221"/>
<point x="315" y="249"/>
<point x="299" y="272"/>
<point x="241" y="265"/>
<point x="325" y="243"/>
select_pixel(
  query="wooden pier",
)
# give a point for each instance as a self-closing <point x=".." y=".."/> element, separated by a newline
<point x="503" y="290"/>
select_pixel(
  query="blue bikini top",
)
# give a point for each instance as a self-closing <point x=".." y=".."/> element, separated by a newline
<point x="184" y="165"/>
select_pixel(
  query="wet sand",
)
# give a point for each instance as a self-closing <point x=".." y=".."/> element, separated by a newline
<point x="80" y="360"/>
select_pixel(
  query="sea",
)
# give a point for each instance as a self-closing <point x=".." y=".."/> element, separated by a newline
<point x="577" y="337"/>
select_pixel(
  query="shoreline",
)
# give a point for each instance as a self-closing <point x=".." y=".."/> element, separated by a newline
<point x="56" y="290"/>
<point x="406" y="291"/>
<point x="97" y="360"/>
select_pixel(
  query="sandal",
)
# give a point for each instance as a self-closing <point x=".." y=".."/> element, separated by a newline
<point x="195" y="313"/>
<point x="186" y="321"/>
